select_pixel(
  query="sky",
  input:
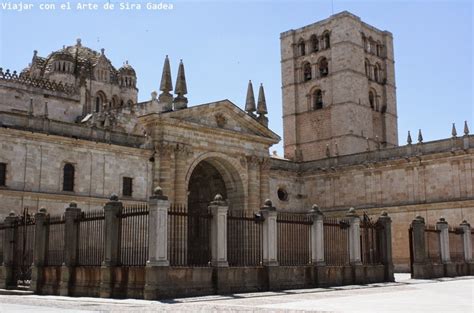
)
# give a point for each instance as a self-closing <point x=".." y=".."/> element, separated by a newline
<point x="223" y="44"/>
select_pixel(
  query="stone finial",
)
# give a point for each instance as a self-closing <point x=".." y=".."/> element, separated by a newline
<point x="268" y="202"/>
<point x="12" y="214"/>
<point x="351" y="212"/>
<point x="114" y="197"/>
<point x="420" y="218"/>
<point x="442" y="220"/>
<point x="158" y="194"/>
<point x="154" y="94"/>
<point x="166" y="85"/>
<point x="328" y="151"/>
<point x="102" y="51"/>
<point x="218" y="197"/>
<point x="420" y="136"/>
<point x="316" y="210"/>
<point x="454" y="133"/>
<point x="250" y="100"/>
<point x="384" y="214"/>
<point x="180" y="101"/>
<point x="465" y="223"/>
<point x="219" y="200"/>
<point x="78" y="42"/>
<point x="409" y="140"/>
<point x="466" y="129"/>
<point x="262" y="103"/>
<point x="73" y="204"/>
<point x="43" y="211"/>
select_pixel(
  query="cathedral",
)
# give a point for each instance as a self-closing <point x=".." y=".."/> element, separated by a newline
<point x="72" y="129"/>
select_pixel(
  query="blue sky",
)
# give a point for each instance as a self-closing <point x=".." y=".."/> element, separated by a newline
<point x="223" y="44"/>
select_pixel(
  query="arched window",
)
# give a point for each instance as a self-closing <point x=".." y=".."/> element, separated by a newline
<point x="307" y="75"/>
<point x="379" y="49"/>
<point x="68" y="177"/>
<point x="327" y="40"/>
<point x="100" y="100"/>
<point x="97" y="104"/>
<point x="367" y="68"/>
<point x="323" y="67"/>
<point x="314" y="43"/>
<point x="301" y="47"/>
<point x="376" y="72"/>
<point x="317" y="99"/>
<point x="372" y="99"/>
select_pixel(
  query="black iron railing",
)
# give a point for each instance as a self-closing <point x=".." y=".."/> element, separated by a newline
<point x="91" y="238"/>
<point x="55" y="241"/>
<point x="336" y="242"/>
<point x="294" y="238"/>
<point x="134" y="235"/>
<point x="244" y="239"/>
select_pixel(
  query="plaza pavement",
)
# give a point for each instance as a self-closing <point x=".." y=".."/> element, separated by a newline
<point x="446" y="295"/>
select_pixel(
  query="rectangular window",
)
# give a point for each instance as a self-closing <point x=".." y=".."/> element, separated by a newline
<point x="127" y="186"/>
<point x="3" y="174"/>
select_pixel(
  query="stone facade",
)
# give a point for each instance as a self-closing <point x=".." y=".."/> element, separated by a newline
<point x="341" y="145"/>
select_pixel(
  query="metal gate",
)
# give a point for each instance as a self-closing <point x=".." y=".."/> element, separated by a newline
<point x="24" y="234"/>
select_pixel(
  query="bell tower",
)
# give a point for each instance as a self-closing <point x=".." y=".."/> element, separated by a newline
<point x="338" y="89"/>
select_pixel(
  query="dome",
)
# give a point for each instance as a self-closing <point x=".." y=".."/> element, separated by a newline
<point x="127" y="69"/>
<point x="62" y="55"/>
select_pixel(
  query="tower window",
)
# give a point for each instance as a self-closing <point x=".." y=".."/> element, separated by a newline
<point x="327" y="40"/>
<point x="68" y="177"/>
<point x="314" y="43"/>
<point x="367" y="68"/>
<point x="301" y="47"/>
<point x="317" y="100"/>
<point x="3" y="174"/>
<point x="376" y="72"/>
<point x="307" y="75"/>
<point x="372" y="99"/>
<point x="127" y="188"/>
<point x="323" y="67"/>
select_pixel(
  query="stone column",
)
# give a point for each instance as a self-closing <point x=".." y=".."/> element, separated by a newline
<point x="317" y="236"/>
<point x="354" y="237"/>
<point x="112" y="211"/>
<point x="466" y="227"/>
<point x="39" y="250"/>
<point x="418" y="248"/>
<point x="442" y="226"/>
<point x="158" y="229"/>
<point x="7" y="279"/>
<point x="384" y="236"/>
<point x="270" y="244"/>
<point x="71" y="237"/>
<point x="219" y="209"/>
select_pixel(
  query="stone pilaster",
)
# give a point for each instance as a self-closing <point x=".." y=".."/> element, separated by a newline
<point x="384" y="235"/>
<point x="39" y="250"/>
<point x="158" y="229"/>
<point x="70" y="249"/>
<point x="253" y="185"/>
<point x="354" y="237"/>
<point x="264" y="179"/>
<point x="317" y="236"/>
<point x="467" y="244"/>
<point x="219" y="209"/>
<point x="418" y="247"/>
<point x="7" y="279"/>
<point x="443" y="228"/>
<point x="270" y="244"/>
<point x="112" y="211"/>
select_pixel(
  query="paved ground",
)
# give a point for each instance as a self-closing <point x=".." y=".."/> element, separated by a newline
<point x="406" y="295"/>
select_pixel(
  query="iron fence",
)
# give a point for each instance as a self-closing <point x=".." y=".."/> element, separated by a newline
<point x="24" y="245"/>
<point x="189" y="237"/>
<point x="134" y="235"/>
<point x="369" y="244"/>
<point x="432" y="244"/>
<point x="336" y="242"/>
<point x="294" y="238"/>
<point x="456" y="244"/>
<point x="55" y="241"/>
<point x="244" y="239"/>
<point x="91" y="234"/>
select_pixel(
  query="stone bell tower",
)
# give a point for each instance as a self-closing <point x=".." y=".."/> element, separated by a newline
<point x="338" y="89"/>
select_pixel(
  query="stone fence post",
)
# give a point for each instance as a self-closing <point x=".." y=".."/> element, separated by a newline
<point x="219" y="209"/>
<point x="39" y="250"/>
<point x="6" y="269"/>
<point x="317" y="236"/>
<point x="158" y="229"/>
<point x="270" y="243"/>
<point x="443" y="228"/>
<point x="71" y="238"/>
<point x="467" y="244"/>
<point x="112" y="229"/>
<point x="354" y="237"/>
<point x="418" y="248"/>
<point x="384" y="235"/>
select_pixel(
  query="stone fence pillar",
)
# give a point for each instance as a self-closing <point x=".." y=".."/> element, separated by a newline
<point x="418" y="248"/>
<point x="39" y="250"/>
<point x="317" y="236"/>
<point x="219" y="209"/>
<point x="7" y="279"/>
<point x="270" y="242"/>
<point x="354" y="237"/>
<point x="158" y="229"/>
<point x="443" y="228"/>
<point x="467" y="244"/>
<point x="112" y="212"/>
<point x="384" y="235"/>
<point x="71" y="238"/>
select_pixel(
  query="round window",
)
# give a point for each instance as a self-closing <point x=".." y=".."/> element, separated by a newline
<point x="282" y="194"/>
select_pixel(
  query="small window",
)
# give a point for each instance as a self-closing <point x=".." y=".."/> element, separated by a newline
<point x="323" y="67"/>
<point x="68" y="177"/>
<point x="301" y="48"/>
<point x="317" y="100"/>
<point x="314" y="43"/>
<point x="282" y="194"/>
<point x="372" y="99"/>
<point x="307" y="75"/>
<point x="327" y="41"/>
<point x="3" y="174"/>
<point x="127" y="189"/>
<point x="367" y="68"/>
<point x="376" y="72"/>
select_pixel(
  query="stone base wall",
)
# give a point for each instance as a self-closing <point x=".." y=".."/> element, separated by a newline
<point x="428" y="270"/>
